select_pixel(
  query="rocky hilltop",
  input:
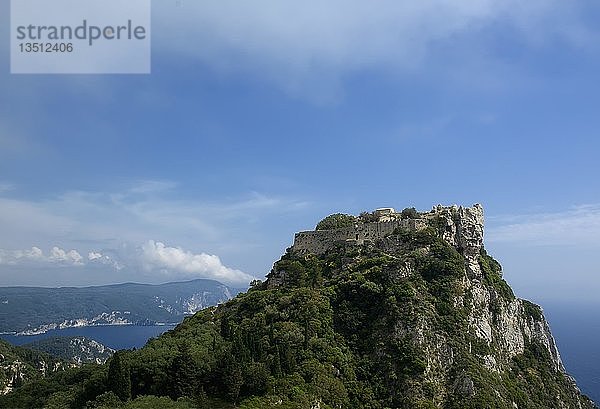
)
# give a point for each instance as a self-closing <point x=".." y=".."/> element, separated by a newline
<point x="502" y="327"/>
<point x="382" y="310"/>
<point x="78" y="350"/>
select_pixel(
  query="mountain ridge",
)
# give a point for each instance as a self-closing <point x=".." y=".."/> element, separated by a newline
<point x="32" y="310"/>
<point x="116" y="284"/>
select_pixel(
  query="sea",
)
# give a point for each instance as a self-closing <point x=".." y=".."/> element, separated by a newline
<point x="576" y="330"/>
<point x="113" y="336"/>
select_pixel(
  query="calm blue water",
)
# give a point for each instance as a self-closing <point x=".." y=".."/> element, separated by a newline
<point x="577" y="333"/>
<point x="113" y="336"/>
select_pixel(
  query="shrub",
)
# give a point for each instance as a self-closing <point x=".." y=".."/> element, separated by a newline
<point x="336" y="221"/>
<point x="410" y="213"/>
<point x="532" y="310"/>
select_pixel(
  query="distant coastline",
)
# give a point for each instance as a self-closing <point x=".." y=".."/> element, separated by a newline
<point x="36" y="310"/>
<point x="34" y="332"/>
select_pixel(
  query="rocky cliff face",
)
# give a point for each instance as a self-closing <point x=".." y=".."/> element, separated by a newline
<point x="493" y="319"/>
<point x="462" y="228"/>
<point x="500" y="327"/>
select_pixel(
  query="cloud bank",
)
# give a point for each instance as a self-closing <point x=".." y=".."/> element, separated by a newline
<point x="298" y="43"/>
<point x="169" y="263"/>
<point x="145" y="232"/>
<point x="157" y="256"/>
<point x="579" y="225"/>
<point x="36" y="257"/>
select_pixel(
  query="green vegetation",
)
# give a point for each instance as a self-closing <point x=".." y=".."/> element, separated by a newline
<point x="336" y="221"/>
<point x="368" y="217"/>
<point x="437" y="224"/>
<point x="72" y="349"/>
<point x="373" y="326"/>
<point x="533" y="311"/>
<point x="20" y="365"/>
<point x="409" y="213"/>
<point x="492" y="274"/>
<point x="119" y="377"/>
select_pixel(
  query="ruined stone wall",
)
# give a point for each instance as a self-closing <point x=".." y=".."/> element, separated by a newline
<point x="463" y="229"/>
<point x="320" y="241"/>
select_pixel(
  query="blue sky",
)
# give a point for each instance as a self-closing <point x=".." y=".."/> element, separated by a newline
<point x="259" y="119"/>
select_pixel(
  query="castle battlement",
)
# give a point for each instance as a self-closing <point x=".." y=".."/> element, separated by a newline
<point x="388" y="220"/>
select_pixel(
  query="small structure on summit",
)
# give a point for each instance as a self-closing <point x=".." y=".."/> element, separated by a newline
<point x="385" y="214"/>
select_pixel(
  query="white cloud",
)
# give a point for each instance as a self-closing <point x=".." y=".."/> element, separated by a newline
<point x="579" y="225"/>
<point x="131" y="216"/>
<point x="309" y="48"/>
<point x="35" y="256"/>
<point x="174" y="260"/>
<point x="107" y="230"/>
<point x="300" y="43"/>
<point x="155" y="258"/>
<point x="69" y="257"/>
<point x="95" y="257"/>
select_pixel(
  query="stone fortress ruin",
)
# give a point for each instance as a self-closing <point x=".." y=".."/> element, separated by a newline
<point x="382" y="222"/>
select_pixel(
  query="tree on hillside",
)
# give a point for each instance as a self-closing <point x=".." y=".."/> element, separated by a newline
<point x="119" y="380"/>
<point x="183" y="374"/>
<point x="410" y="213"/>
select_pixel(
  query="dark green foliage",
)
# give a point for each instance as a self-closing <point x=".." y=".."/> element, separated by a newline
<point x="119" y="381"/>
<point x="437" y="224"/>
<point x="336" y="221"/>
<point x="23" y="364"/>
<point x="73" y="386"/>
<point x="532" y="310"/>
<point x="297" y="272"/>
<point x="414" y="240"/>
<point x="492" y="274"/>
<point x="441" y="261"/>
<point x="107" y="399"/>
<point x="73" y="349"/>
<point x="183" y="374"/>
<point x="409" y="213"/>
<point x="356" y="327"/>
<point x="535" y="382"/>
<point x="26" y="355"/>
